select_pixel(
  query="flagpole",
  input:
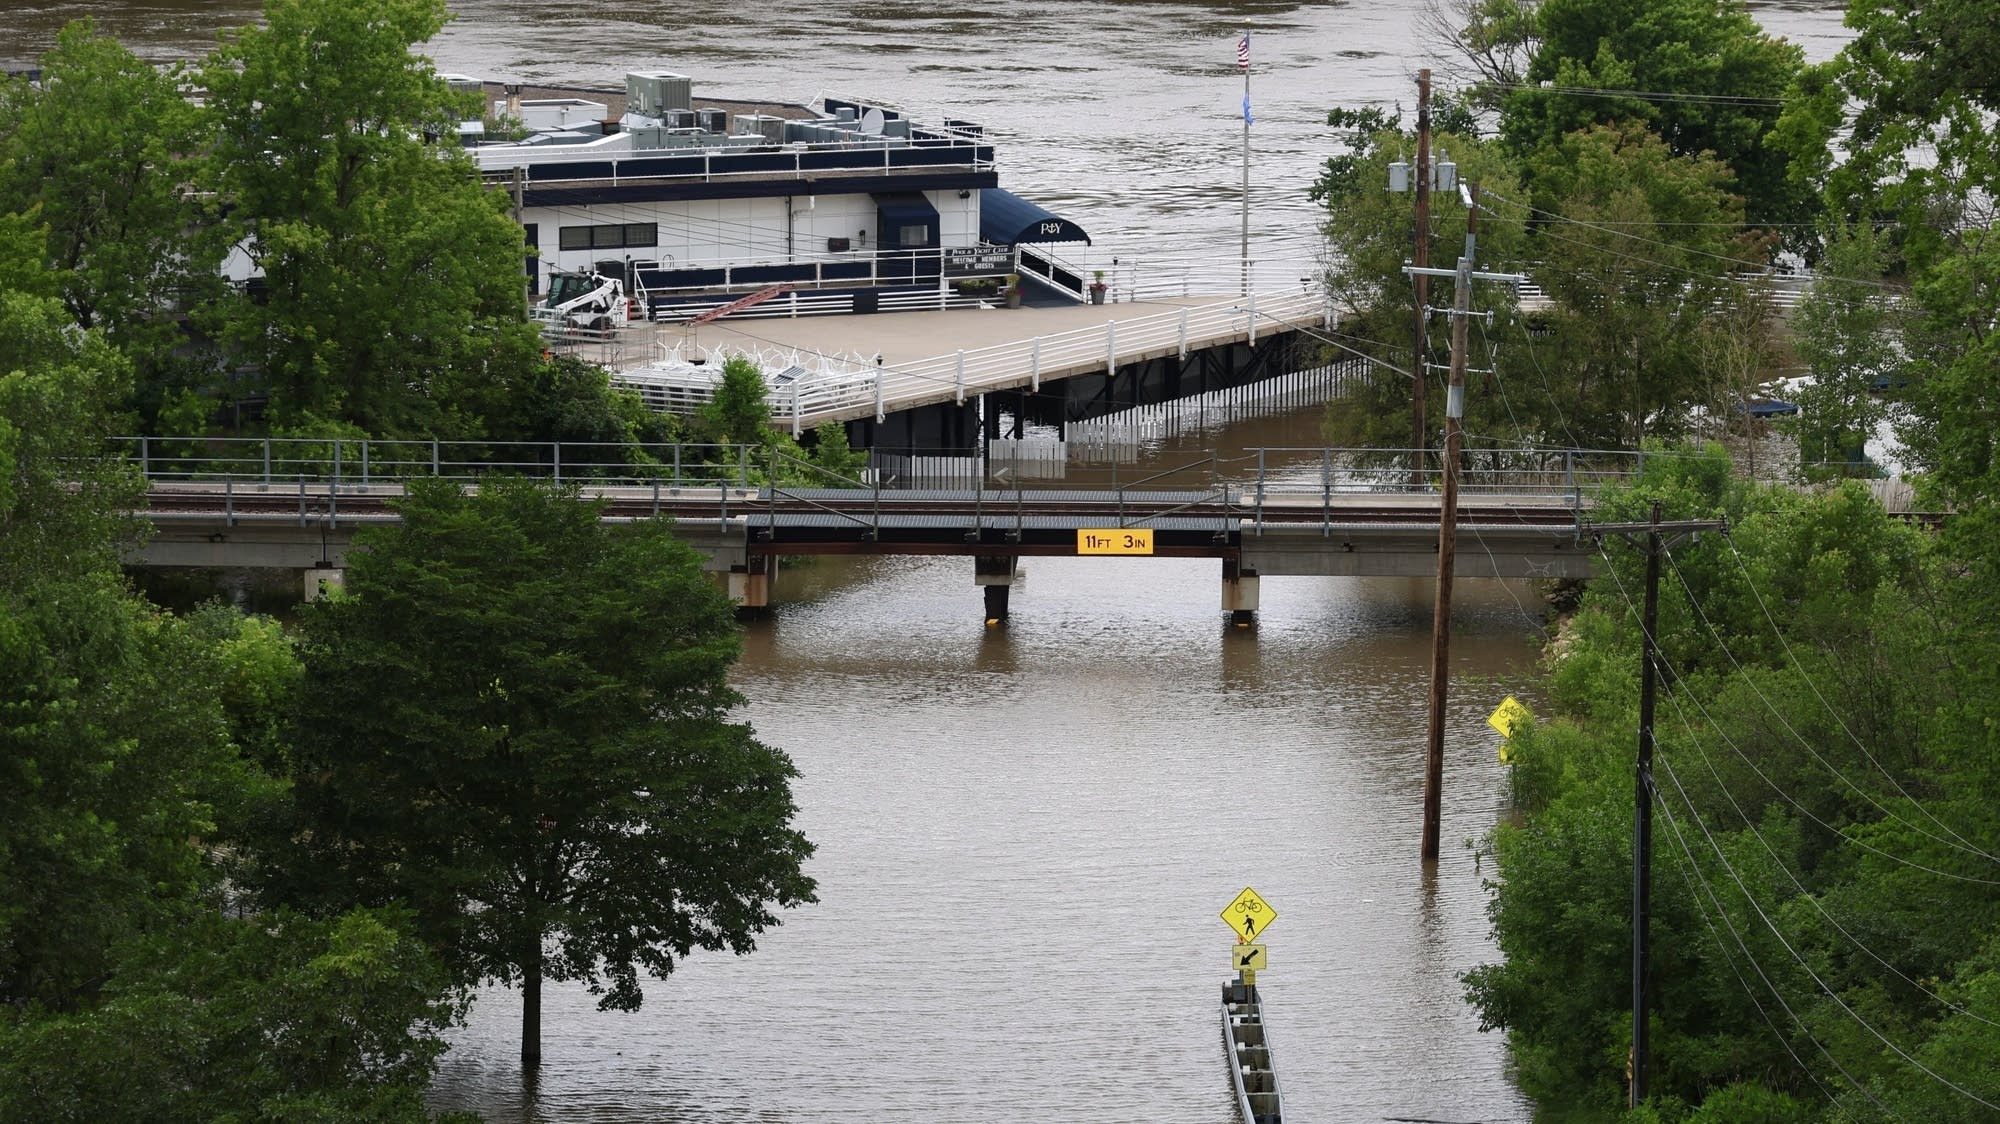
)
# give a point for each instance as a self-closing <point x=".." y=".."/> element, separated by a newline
<point x="1243" y="56"/>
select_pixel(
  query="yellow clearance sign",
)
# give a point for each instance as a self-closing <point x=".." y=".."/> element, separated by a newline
<point x="1115" y="540"/>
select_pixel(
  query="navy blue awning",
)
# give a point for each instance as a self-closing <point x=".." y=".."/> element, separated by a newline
<point x="1006" y="219"/>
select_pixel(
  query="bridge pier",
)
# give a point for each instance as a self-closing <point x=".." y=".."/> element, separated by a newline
<point x="1239" y="592"/>
<point x="324" y="580"/>
<point x="750" y="584"/>
<point x="994" y="574"/>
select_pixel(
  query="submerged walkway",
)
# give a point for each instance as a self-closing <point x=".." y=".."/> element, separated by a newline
<point x="861" y="366"/>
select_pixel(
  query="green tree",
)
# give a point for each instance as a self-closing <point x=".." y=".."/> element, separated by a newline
<point x="134" y="754"/>
<point x="390" y="278"/>
<point x="280" y="1021"/>
<point x="1823" y="880"/>
<point x="107" y="746"/>
<point x="1699" y="74"/>
<point x="104" y="150"/>
<point x="1849" y="332"/>
<point x="516" y="721"/>
<point x="1636" y="251"/>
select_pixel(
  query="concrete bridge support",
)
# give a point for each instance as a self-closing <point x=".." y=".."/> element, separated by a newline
<point x="749" y="584"/>
<point x="994" y="574"/>
<point x="323" y="581"/>
<point x="1239" y="592"/>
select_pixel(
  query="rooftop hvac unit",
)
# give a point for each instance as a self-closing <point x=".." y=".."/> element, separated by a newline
<point x="713" y="120"/>
<point x="896" y="127"/>
<point x="844" y="113"/>
<point x="679" y="119"/>
<point x="772" y="129"/>
<point x="800" y="131"/>
<point x="654" y="92"/>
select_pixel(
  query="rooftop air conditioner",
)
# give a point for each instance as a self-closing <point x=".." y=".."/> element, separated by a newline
<point x="653" y="92"/>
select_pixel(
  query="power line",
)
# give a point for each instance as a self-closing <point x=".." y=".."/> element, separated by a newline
<point x="1691" y="873"/>
<point x="1959" y="843"/>
<point x="1838" y="720"/>
<point x="1811" y="898"/>
<point x="1642" y="95"/>
<point x="1607" y="228"/>
<point x="1750" y="899"/>
<point x="1794" y="801"/>
<point x="1723" y="858"/>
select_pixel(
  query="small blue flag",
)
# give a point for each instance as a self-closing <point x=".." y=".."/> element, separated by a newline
<point x="1247" y="119"/>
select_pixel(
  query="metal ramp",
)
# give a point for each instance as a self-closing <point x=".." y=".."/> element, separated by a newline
<point x="741" y="303"/>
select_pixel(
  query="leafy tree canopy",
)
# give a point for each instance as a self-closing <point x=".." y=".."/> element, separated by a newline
<point x="1699" y="74"/>
<point x="516" y="721"/>
<point x="390" y="275"/>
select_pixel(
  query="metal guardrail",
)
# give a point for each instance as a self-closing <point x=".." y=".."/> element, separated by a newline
<point x="973" y="371"/>
<point x="1273" y="485"/>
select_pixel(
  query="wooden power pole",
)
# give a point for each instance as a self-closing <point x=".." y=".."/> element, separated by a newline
<point x="1454" y="446"/>
<point x="1420" y="256"/>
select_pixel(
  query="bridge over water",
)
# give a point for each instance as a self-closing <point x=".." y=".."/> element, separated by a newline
<point x="257" y="504"/>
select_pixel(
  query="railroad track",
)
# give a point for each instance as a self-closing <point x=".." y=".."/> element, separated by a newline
<point x="377" y="501"/>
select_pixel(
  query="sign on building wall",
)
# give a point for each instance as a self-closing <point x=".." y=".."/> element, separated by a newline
<point x="978" y="261"/>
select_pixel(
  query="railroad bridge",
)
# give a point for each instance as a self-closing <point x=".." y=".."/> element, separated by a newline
<point x="1274" y="513"/>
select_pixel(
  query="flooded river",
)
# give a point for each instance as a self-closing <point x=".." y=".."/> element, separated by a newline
<point x="1026" y="834"/>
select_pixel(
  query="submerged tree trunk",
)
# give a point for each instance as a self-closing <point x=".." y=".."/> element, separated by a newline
<point x="531" y="1006"/>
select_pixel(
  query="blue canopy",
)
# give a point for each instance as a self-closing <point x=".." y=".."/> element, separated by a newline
<point x="1006" y="219"/>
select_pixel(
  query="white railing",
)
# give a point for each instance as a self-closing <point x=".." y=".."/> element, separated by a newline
<point x="971" y="372"/>
<point x="860" y="154"/>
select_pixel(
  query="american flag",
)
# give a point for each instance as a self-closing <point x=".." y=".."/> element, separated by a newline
<point x="1243" y="51"/>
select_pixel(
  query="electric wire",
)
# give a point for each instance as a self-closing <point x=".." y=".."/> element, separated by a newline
<point x="1691" y="874"/>
<point x="1744" y="945"/>
<point x="1642" y="95"/>
<point x="1801" y="805"/>
<point x="1751" y="900"/>
<point x="1655" y="795"/>
<point x="1608" y="228"/>
<point x="1956" y="843"/>
<point x="1838" y="719"/>
<point x="1723" y="858"/>
<point x="1778" y="861"/>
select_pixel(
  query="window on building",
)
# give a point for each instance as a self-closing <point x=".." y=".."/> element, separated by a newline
<point x="915" y="235"/>
<point x="610" y="236"/>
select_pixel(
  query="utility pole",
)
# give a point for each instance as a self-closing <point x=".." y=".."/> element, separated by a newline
<point x="1642" y="817"/>
<point x="1454" y="444"/>
<point x="1643" y="792"/>
<point x="1421" y="258"/>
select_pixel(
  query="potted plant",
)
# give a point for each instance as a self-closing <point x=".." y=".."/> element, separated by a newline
<point x="1097" y="287"/>
<point x="1013" y="290"/>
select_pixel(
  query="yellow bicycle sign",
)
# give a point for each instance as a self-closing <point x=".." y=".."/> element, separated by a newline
<point x="1248" y="915"/>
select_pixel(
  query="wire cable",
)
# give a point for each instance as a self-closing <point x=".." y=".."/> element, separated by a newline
<point x="1751" y="900"/>
<point x="1723" y="858"/>
<point x="1779" y="862"/>
<point x="1838" y="720"/>
<point x="1787" y="797"/>
<point x="1692" y="875"/>
<point x="1956" y="842"/>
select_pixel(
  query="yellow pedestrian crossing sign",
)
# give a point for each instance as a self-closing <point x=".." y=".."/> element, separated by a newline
<point x="1248" y="915"/>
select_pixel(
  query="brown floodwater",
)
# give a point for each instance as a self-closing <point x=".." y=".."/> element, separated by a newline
<point x="1026" y="834"/>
